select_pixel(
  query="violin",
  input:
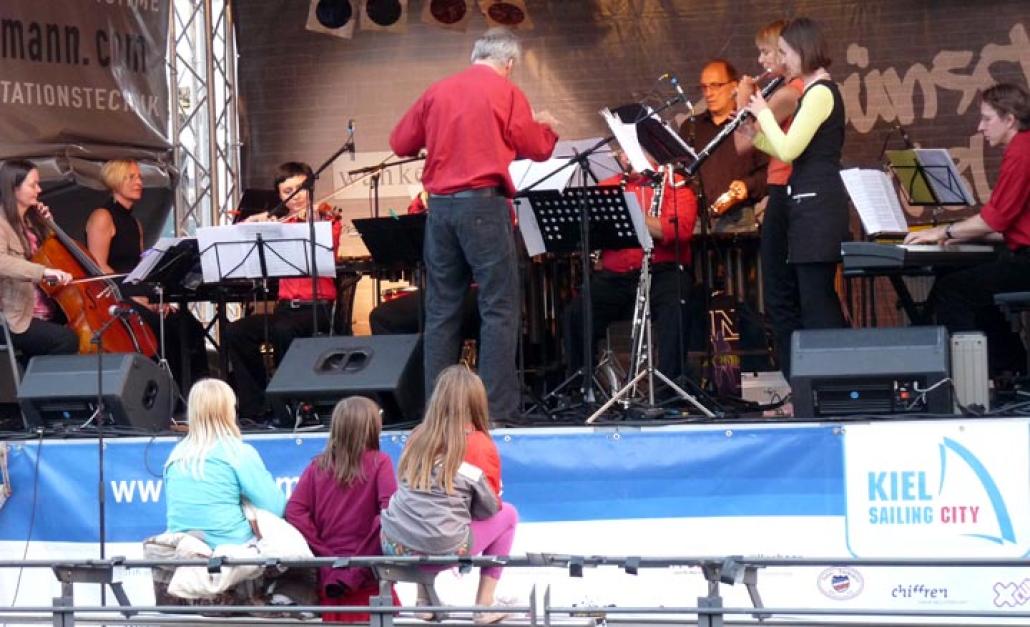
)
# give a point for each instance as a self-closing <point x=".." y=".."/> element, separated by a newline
<point x="324" y="211"/>
<point x="89" y="306"/>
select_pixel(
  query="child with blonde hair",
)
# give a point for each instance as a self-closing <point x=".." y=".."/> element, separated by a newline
<point x="448" y="501"/>
<point x="212" y="470"/>
<point x="338" y="500"/>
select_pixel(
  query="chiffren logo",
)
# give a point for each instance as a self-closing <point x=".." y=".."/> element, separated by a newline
<point x="919" y="591"/>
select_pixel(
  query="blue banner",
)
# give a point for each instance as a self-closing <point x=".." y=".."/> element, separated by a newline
<point x="550" y="475"/>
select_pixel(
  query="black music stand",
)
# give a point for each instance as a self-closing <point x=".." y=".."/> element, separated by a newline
<point x="928" y="177"/>
<point x="552" y="222"/>
<point x="396" y="242"/>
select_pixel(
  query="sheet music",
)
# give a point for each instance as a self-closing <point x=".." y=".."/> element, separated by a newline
<point x="626" y="135"/>
<point x="940" y="171"/>
<point x="525" y="172"/>
<point x="529" y="228"/>
<point x="875" y="200"/>
<point x="150" y="258"/>
<point x="231" y="252"/>
<point x="639" y="225"/>
<point x="602" y="161"/>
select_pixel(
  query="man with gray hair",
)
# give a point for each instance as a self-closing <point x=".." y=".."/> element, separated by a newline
<point x="473" y="124"/>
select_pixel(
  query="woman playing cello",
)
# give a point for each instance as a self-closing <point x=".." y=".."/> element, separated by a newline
<point x="33" y="318"/>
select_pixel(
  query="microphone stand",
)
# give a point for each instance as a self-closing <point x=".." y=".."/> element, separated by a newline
<point x="98" y="415"/>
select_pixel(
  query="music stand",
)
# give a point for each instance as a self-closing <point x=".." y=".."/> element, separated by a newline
<point x="550" y="221"/>
<point x="263" y="250"/>
<point x="929" y="177"/>
<point x="396" y="242"/>
<point x="255" y="201"/>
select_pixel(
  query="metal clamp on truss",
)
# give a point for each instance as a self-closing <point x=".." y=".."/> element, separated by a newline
<point x="104" y="573"/>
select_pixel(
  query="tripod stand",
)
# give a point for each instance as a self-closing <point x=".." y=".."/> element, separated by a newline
<point x="642" y="351"/>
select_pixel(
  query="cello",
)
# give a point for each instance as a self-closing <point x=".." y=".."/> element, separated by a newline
<point x="88" y="304"/>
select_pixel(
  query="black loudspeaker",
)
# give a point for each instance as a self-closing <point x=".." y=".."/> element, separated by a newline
<point x="317" y="372"/>
<point x="61" y="390"/>
<point x="840" y="372"/>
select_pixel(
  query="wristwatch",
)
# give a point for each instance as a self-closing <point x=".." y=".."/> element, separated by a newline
<point x="947" y="231"/>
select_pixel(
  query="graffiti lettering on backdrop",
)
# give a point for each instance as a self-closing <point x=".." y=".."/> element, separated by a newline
<point x="889" y="94"/>
<point x="90" y="71"/>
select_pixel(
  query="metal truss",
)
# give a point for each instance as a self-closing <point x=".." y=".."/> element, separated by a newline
<point x="205" y="122"/>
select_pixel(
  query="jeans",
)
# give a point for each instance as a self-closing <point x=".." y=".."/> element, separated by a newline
<point x="471" y="239"/>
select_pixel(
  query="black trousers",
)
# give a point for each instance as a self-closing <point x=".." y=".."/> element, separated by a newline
<point x="964" y="301"/>
<point x="400" y="315"/>
<point x="612" y="297"/>
<point x="779" y="281"/>
<point x="45" y="338"/>
<point x="244" y="338"/>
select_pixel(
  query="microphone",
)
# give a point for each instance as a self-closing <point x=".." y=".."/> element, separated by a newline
<point x="119" y="310"/>
<point x="904" y="137"/>
<point x="350" y="129"/>
<point x="679" y="90"/>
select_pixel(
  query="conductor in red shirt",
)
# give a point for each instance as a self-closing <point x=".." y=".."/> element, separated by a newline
<point x="473" y="124"/>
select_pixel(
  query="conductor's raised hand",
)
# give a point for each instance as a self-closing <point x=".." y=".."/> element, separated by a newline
<point x="545" y="117"/>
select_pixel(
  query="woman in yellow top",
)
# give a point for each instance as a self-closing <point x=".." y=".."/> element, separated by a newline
<point x="817" y="217"/>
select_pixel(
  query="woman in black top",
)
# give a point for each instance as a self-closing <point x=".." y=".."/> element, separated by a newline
<point x="115" y="239"/>
<point x="818" y="202"/>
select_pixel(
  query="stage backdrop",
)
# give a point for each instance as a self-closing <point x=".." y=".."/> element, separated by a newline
<point x="82" y="82"/>
<point x="920" y="64"/>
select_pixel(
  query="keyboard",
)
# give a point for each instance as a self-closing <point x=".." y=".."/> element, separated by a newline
<point x="867" y="258"/>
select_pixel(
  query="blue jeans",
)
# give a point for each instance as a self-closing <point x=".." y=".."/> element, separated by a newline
<point x="471" y="239"/>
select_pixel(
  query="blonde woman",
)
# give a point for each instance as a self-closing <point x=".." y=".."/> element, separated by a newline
<point x="212" y="469"/>
<point x="448" y="500"/>
<point x="337" y="502"/>
<point x="115" y="239"/>
<point x="779" y="283"/>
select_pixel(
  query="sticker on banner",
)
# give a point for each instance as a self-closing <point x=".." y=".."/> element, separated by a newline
<point x="841" y="584"/>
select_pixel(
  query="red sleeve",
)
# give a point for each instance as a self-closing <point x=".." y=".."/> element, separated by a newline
<point x="682" y="204"/>
<point x="386" y="481"/>
<point x="480" y="451"/>
<point x="1011" y="193"/>
<point x="300" y="511"/>
<point x="530" y="139"/>
<point x="409" y="136"/>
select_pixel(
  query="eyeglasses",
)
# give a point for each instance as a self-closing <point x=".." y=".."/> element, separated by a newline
<point x="712" y="86"/>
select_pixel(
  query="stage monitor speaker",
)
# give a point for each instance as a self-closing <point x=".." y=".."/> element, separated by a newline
<point x="61" y="390"/>
<point x="317" y="372"/>
<point x="841" y="372"/>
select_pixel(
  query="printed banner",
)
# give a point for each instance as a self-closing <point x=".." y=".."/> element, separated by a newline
<point x="775" y="492"/>
<point x="85" y="71"/>
<point x="946" y="489"/>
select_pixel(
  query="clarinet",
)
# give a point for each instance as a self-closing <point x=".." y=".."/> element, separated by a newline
<point x="731" y="126"/>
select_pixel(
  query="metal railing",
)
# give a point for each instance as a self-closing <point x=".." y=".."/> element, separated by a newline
<point x="708" y="612"/>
